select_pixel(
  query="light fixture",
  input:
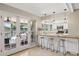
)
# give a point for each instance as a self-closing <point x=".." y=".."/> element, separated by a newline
<point x="53" y="12"/>
<point x="54" y="15"/>
<point x="8" y="19"/>
<point x="65" y="13"/>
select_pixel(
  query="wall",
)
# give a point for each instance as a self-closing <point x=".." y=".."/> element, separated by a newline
<point x="74" y="23"/>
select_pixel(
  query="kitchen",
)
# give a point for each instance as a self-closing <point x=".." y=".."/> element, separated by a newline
<point x="54" y="29"/>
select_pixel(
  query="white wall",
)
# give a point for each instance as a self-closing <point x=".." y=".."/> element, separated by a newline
<point x="74" y="23"/>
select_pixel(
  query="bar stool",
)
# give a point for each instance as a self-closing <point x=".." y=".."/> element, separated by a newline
<point x="42" y="42"/>
<point x="50" y="43"/>
<point x="61" y="41"/>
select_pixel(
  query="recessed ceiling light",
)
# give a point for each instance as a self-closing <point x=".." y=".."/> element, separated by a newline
<point x="65" y="13"/>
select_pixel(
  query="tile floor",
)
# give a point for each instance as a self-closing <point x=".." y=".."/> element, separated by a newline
<point x="38" y="51"/>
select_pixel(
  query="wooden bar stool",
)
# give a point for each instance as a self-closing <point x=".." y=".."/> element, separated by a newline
<point x="61" y="43"/>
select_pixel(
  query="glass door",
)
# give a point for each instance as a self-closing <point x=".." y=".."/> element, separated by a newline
<point x="1" y="45"/>
<point x="23" y="32"/>
<point x="0" y="48"/>
<point x="9" y="33"/>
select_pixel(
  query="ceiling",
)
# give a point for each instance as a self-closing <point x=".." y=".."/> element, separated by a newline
<point x="40" y="9"/>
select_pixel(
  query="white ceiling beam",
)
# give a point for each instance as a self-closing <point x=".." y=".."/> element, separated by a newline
<point x="70" y="7"/>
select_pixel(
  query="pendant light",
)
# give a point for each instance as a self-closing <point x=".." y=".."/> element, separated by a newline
<point x="8" y="19"/>
<point x="54" y="15"/>
<point x="66" y="29"/>
<point x="65" y="14"/>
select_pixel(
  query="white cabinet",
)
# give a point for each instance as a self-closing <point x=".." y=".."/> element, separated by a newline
<point x="15" y="34"/>
<point x="23" y="32"/>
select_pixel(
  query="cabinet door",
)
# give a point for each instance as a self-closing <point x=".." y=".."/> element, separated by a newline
<point x="23" y="32"/>
<point x="9" y="35"/>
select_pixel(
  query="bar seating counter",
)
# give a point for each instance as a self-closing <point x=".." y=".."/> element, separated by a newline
<point x="66" y="37"/>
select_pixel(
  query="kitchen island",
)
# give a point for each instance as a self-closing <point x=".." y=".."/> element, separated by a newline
<point x="71" y="41"/>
